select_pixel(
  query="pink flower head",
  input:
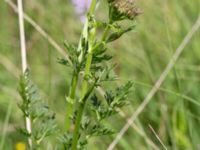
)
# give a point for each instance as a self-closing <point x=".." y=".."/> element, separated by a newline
<point x="81" y="7"/>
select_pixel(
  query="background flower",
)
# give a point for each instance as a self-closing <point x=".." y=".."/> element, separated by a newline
<point x="81" y="7"/>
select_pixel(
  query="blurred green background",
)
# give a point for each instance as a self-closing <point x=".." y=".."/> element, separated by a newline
<point x="141" y="56"/>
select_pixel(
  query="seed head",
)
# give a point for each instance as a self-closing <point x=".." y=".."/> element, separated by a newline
<point x="125" y="8"/>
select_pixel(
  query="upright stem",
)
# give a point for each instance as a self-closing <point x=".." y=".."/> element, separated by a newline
<point x="22" y="35"/>
<point x="81" y="104"/>
<point x="75" y="78"/>
<point x="105" y="33"/>
<point x="24" y="61"/>
<point x="87" y="72"/>
<point x="81" y="107"/>
<point x="72" y="92"/>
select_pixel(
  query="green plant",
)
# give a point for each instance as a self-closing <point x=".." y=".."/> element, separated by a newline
<point x="42" y="119"/>
<point x="89" y="63"/>
<point x="91" y="66"/>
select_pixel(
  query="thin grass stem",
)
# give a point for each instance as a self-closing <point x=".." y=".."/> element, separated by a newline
<point x="24" y="61"/>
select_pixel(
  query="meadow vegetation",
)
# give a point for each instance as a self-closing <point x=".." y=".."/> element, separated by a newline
<point x="171" y="118"/>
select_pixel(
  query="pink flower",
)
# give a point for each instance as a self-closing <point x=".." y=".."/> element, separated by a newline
<point x="81" y="7"/>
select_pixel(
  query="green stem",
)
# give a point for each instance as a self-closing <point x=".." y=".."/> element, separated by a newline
<point x="92" y="6"/>
<point x="81" y="104"/>
<point x="81" y="107"/>
<point x="69" y="110"/>
<point x="84" y="93"/>
<point x="105" y="33"/>
<point x="75" y="75"/>
<point x="87" y="72"/>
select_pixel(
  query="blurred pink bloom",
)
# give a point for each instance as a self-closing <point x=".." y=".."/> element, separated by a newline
<point x="81" y="7"/>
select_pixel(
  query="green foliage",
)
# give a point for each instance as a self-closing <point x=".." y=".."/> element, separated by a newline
<point x="119" y="31"/>
<point x="90" y="58"/>
<point x="90" y="65"/>
<point x="114" y="101"/>
<point x="42" y="119"/>
<point x="66" y="141"/>
<point x="140" y="57"/>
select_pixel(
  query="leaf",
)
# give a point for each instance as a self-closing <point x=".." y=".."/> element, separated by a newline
<point x="82" y="144"/>
<point x="24" y="132"/>
<point x="66" y="141"/>
<point x="95" y="102"/>
<point x="63" y="61"/>
<point x="73" y="54"/>
<point x="122" y="92"/>
<point x="85" y="123"/>
<point x="28" y="92"/>
<point x="116" y="35"/>
<point x="101" y="111"/>
<point x="99" y="59"/>
<point x="100" y="24"/>
<point x="121" y="95"/>
<point x="42" y="119"/>
<point x="99" y="130"/>
<point x="71" y="49"/>
<point x="99" y="49"/>
<point x="118" y="98"/>
<point x="109" y="96"/>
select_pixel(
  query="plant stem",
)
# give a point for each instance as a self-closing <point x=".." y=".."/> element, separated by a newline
<point x="28" y="122"/>
<point x="84" y="94"/>
<point x="69" y="109"/>
<point x="81" y="107"/>
<point x="92" y="6"/>
<point x="87" y="72"/>
<point x="105" y="33"/>
<point x="81" y="104"/>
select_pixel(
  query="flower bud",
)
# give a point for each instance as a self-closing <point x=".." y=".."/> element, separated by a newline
<point x="123" y="9"/>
